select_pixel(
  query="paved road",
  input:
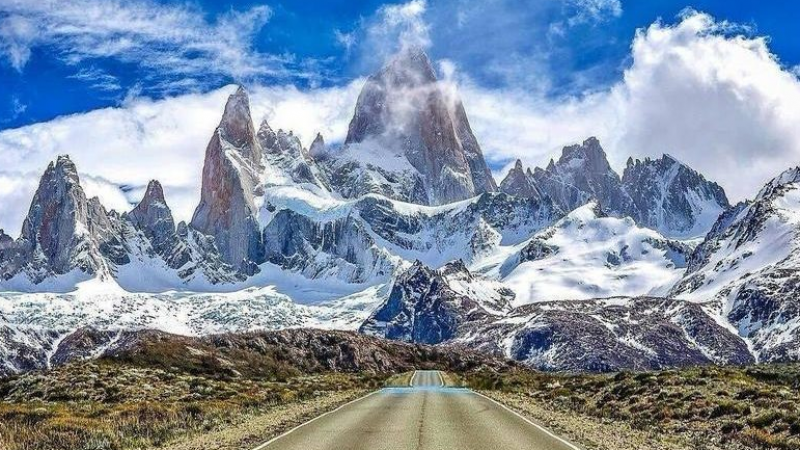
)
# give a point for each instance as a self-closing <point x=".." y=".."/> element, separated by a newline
<point x="423" y="416"/>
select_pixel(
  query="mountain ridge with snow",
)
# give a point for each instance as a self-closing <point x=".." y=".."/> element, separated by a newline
<point x="416" y="242"/>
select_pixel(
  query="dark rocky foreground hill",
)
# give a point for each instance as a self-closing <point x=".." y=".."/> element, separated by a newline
<point x="267" y="354"/>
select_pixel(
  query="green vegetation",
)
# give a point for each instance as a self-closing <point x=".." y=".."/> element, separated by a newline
<point x="711" y="407"/>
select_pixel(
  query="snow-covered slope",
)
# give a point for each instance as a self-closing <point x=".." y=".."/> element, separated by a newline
<point x="590" y="255"/>
<point x="749" y="265"/>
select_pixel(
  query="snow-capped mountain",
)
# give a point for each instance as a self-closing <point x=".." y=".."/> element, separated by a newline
<point x="453" y="305"/>
<point x="431" y="306"/>
<point x="672" y="198"/>
<point x="663" y="194"/>
<point x="410" y="139"/>
<point x="748" y="265"/>
<point x="580" y="174"/>
<point x="403" y="233"/>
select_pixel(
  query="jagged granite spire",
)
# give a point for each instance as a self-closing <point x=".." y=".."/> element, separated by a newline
<point x="581" y="173"/>
<point x="318" y="149"/>
<point x="403" y="110"/>
<point x="673" y="198"/>
<point x="236" y="126"/>
<point x="64" y="230"/>
<point x="520" y="182"/>
<point x="58" y="216"/>
<point x="153" y="217"/>
<point x="227" y="208"/>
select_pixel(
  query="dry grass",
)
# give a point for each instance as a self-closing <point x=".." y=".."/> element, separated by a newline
<point x="113" y="406"/>
<point x="711" y="407"/>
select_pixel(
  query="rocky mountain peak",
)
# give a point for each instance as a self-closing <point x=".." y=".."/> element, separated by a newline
<point x="590" y="151"/>
<point x="63" y="229"/>
<point x="236" y="126"/>
<point x="231" y="168"/>
<point x="410" y="67"/>
<point x="403" y="111"/>
<point x="779" y="183"/>
<point x="59" y="201"/>
<point x="581" y="173"/>
<point x="318" y="149"/>
<point x="266" y="136"/>
<point x="152" y="213"/>
<point x="520" y="182"/>
<point x="671" y="197"/>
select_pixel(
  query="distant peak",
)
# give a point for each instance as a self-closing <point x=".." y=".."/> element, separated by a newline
<point x="590" y="149"/>
<point x="410" y="66"/>
<point x="518" y="165"/>
<point x="236" y="125"/>
<point x="154" y="192"/>
<point x="264" y="126"/>
<point x="668" y="157"/>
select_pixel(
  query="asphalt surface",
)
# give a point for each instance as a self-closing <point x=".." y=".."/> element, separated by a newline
<point x="423" y="416"/>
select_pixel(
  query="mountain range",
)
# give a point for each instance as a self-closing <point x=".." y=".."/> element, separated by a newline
<point x="403" y="233"/>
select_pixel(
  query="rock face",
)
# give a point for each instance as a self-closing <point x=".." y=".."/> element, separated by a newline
<point x="748" y="267"/>
<point x="451" y="305"/>
<point x="609" y="335"/>
<point x="287" y="162"/>
<point x="154" y="218"/>
<point x="227" y="208"/>
<point x="410" y="140"/>
<point x="672" y="198"/>
<point x="520" y="183"/>
<point x="318" y="149"/>
<point x="64" y="231"/>
<point x="342" y="249"/>
<point x="583" y="173"/>
<point x="431" y="306"/>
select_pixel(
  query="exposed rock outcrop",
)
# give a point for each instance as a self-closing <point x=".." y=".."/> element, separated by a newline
<point x="410" y="139"/>
<point x="520" y="183"/>
<point x="227" y="208"/>
<point x="672" y="198"/>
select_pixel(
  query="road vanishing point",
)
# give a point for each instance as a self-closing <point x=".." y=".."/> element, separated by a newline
<point x="426" y="415"/>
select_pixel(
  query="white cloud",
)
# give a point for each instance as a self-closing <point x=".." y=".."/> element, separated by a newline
<point x="393" y="28"/>
<point x="346" y="40"/>
<point x="593" y="10"/>
<point x="173" y="40"/>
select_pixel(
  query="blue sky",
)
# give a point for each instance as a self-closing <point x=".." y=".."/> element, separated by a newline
<point x="556" y="47"/>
